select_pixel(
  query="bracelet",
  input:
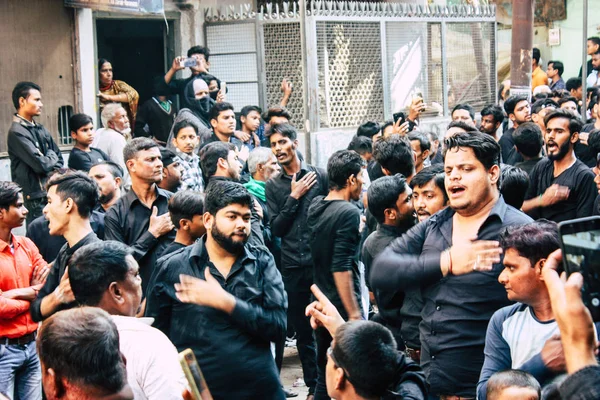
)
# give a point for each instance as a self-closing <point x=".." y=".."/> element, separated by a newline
<point x="540" y="200"/>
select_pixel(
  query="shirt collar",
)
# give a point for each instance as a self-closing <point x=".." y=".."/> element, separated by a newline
<point x="199" y="251"/>
<point x="4" y="245"/>
<point x="304" y="167"/>
<point x="20" y="120"/>
<point x="186" y="157"/>
<point x="131" y="197"/>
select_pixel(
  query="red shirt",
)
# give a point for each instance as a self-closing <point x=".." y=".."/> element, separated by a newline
<point x="16" y="271"/>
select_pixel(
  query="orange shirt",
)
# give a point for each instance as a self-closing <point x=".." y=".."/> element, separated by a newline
<point x="16" y="271"/>
<point x="538" y="78"/>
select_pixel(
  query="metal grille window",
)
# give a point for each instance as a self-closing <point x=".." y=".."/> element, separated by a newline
<point x="414" y="64"/>
<point x="283" y="59"/>
<point x="64" y="133"/>
<point x="470" y="78"/>
<point x="350" y="79"/>
<point x="233" y="60"/>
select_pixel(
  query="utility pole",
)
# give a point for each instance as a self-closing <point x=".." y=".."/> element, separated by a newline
<point x="521" y="47"/>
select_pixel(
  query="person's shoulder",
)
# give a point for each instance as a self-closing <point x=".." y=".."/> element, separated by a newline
<point x="25" y="242"/>
<point x="582" y="170"/>
<point x="507" y="312"/>
<point x="140" y="330"/>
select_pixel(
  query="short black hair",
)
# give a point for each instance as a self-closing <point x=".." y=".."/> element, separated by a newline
<point x="248" y="109"/>
<point x="539" y="105"/>
<point x="341" y="165"/>
<point x="220" y="194"/>
<point x="361" y="144"/>
<point x="286" y="130"/>
<point x="184" y="205"/>
<point x="511" y="103"/>
<point x="367" y="351"/>
<point x="511" y="378"/>
<point x="594" y="141"/>
<point x="573" y="84"/>
<point x="78" y="186"/>
<point x="218" y="108"/>
<point x="210" y="154"/>
<point x="385" y="125"/>
<point x="535" y="54"/>
<point x="168" y="157"/>
<point x="276" y="111"/>
<point x="9" y="194"/>
<point x="495" y="111"/>
<point x="115" y="169"/>
<point x="557" y="65"/>
<point x="22" y="89"/>
<point x="534" y="241"/>
<point x="421" y="138"/>
<point x="199" y="50"/>
<point x="485" y="147"/>
<point x="383" y="193"/>
<point x="594" y="39"/>
<point x="368" y="129"/>
<point x="567" y="99"/>
<point x="575" y="123"/>
<point x="465" y="106"/>
<point x="433" y="173"/>
<point x="528" y="139"/>
<point x="515" y="183"/>
<point x="395" y="154"/>
<point x="462" y="125"/>
<point x="78" y="121"/>
<point x="181" y="125"/>
<point x="81" y="345"/>
<point x="94" y="267"/>
<point x="136" y="145"/>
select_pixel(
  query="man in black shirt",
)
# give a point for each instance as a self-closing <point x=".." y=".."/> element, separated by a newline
<point x="455" y="258"/>
<point x="186" y="209"/>
<point x="32" y="151"/>
<point x="172" y="171"/>
<point x="391" y="204"/>
<point x="156" y="115"/>
<point x="71" y="199"/>
<point x="109" y="177"/>
<point x="528" y="142"/>
<point x="492" y="117"/>
<point x="140" y="219"/>
<point x="561" y="186"/>
<point x="334" y="224"/>
<point x="83" y="156"/>
<point x="518" y="110"/>
<point x="224" y="299"/>
<point x="289" y="194"/>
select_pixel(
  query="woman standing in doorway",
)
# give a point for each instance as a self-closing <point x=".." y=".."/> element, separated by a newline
<point x="113" y="91"/>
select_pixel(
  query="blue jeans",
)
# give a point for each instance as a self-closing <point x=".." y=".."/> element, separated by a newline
<point x="20" y="372"/>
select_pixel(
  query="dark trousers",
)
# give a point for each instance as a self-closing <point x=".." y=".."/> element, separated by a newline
<point x="323" y="339"/>
<point x="305" y="342"/>
<point x="35" y="208"/>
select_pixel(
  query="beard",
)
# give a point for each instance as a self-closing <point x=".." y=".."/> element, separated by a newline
<point x="562" y="152"/>
<point x="106" y="198"/>
<point x="226" y="242"/>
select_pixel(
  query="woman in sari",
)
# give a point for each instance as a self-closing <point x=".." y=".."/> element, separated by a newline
<point x="113" y="91"/>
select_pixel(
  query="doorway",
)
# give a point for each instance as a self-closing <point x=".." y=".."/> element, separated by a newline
<point x="139" y="50"/>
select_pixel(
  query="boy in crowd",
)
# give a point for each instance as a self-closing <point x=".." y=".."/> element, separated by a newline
<point x="250" y="121"/>
<point x="513" y="384"/>
<point x="185" y="140"/>
<point x="186" y="209"/>
<point x="83" y="156"/>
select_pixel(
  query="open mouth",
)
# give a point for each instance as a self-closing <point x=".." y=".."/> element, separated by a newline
<point x="280" y="156"/>
<point x="456" y="190"/>
<point x="551" y="147"/>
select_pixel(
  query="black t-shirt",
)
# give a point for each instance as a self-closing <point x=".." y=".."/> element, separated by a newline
<point x="578" y="178"/>
<point x="335" y="245"/>
<point x="171" y="248"/>
<point x="84" y="160"/>
<point x="507" y="145"/>
<point x="583" y="151"/>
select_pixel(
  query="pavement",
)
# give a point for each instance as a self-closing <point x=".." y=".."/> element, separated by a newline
<point x="291" y="373"/>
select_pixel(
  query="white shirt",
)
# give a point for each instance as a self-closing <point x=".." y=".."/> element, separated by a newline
<point x="153" y="369"/>
<point x="112" y="143"/>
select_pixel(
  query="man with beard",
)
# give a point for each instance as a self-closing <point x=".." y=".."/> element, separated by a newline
<point x="518" y="110"/>
<point x="113" y="137"/>
<point x="561" y="186"/>
<point x="172" y="175"/>
<point x="140" y="219"/>
<point x="492" y="117"/>
<point x="224" y="299"/>
<point x="390" y="203"/>
<point x="109" y="177"/>
<point x="289" y="194"/>
<point x="334" y="229"/>
<point x="454" y="258"/>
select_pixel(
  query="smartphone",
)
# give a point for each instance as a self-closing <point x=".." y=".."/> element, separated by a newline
<point x="194" y="376"/>
<point x="580" y="244"/>
<point x="188" y="62"/>
<point x="223" y="87"/>
<point x="399" y="116"/>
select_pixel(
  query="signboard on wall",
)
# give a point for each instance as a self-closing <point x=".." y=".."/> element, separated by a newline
<point x="122" y="6"/>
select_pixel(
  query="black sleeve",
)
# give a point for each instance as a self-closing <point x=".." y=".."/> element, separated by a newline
<point x="582" y="385"/>
<point x="587" y="193"/>
<point x="25" y="149"/>
<point x="160" y="298"/>
<point x="52" y="282"/>
<point x="141" y="120"/>
<point x="347" y="240"/>
<point x="411" y="384"/>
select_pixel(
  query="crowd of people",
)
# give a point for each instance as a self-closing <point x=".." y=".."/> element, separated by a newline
<point x="413" y="266"/>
